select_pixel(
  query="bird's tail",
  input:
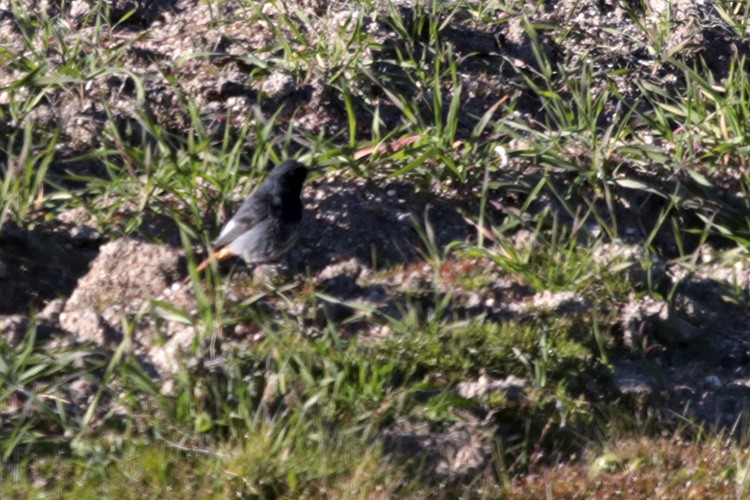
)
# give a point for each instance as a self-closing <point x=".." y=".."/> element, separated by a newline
<point x="219" y="255"/>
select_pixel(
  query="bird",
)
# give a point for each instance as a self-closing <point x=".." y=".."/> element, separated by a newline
<point x="267" y="224"/>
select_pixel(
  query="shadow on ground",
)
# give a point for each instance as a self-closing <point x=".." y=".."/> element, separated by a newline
<point x="40" y="265"/>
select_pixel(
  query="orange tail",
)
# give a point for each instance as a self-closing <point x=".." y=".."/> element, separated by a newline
<point x="219" y="255"/>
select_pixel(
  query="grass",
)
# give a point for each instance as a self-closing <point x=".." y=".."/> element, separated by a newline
<point x="599" y="155"/>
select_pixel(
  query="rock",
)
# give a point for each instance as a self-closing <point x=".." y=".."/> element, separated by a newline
<point x="513" y="386"/>
<point x="458" y="452"/>
<point x="340" y="278"/>
<point x="560" y="302"/>
<point x="88" y="326"/>
<point x="634" y="384"/>
<point x="657" y="318"/>
<point x="125" y="272"/>
<point x="167" y="358"/>
<point x="13" y="328"/>
<point x="123" y="279"/>
<point x="278" y="85"/>
<point x="51" y="312"/>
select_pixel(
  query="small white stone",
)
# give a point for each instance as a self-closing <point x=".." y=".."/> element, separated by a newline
<point x="503" y="154"/>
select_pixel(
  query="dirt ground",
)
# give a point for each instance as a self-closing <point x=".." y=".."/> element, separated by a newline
<point x="78" y="283"/>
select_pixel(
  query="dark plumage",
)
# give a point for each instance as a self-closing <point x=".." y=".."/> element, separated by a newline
<point x="267" y="223"/>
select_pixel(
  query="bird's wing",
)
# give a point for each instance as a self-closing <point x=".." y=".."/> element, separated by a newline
<point x="250" y="213"/>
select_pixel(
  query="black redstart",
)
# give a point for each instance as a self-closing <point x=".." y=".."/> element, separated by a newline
<point x="267" y="223"/>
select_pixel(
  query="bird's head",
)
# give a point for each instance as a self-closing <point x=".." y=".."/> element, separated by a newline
<point x="290" y="175"/>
